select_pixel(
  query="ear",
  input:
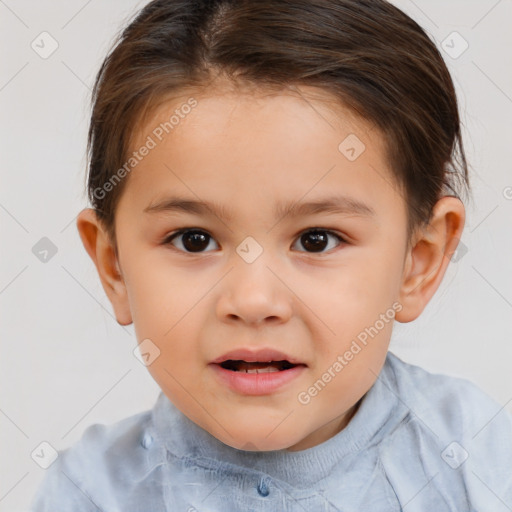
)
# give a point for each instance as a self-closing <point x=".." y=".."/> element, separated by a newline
<point x="429" y="256"/>
<point x="99" y="247"/>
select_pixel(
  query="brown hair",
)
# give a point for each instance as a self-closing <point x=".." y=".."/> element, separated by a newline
<point x="369" y="54"/>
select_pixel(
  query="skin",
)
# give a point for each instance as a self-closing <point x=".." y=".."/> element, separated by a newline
<point x="247" y="151"/>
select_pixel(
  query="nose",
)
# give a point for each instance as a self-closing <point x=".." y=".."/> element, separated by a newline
<point x="254" y="293"/>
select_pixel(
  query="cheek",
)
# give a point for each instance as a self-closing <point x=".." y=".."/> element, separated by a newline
<point x="379" y="268"/>
<point x="353" y="294"/>
<point x="355" y="303"/>
<point x="162" y="299"/>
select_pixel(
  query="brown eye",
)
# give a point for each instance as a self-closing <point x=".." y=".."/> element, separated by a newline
<point x="316" y="240"/>
<point x="192" y="240"/>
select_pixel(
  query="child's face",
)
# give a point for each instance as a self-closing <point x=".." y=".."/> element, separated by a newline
<point x="306" y="297"/>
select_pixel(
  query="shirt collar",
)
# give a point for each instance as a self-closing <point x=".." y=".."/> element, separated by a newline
<point x="379" y="411"/>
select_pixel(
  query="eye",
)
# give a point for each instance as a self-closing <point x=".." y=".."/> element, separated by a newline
<point x="194" y="240"/>
<point x="190" y="240"/>
<point x="316" y="239"/>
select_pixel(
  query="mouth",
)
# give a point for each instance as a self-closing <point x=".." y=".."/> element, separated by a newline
<point x="239" y="365"/>
<point x="259" y="372"/>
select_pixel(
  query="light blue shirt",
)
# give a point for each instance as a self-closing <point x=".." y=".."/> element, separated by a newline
<point x="418" y="442"/>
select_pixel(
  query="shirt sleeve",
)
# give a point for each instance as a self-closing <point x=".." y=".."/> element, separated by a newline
<point x="456" y="446"/>
<point x="62" y="491"/>
<point x="489" y="452"/>
<point x="100" y="471"/>
<point x="474" y="442"/>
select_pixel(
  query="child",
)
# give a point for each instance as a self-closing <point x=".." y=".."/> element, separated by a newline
<point x="273" y="184"/>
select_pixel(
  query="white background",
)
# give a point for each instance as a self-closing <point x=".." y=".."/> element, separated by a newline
<point x="66" y="363"/>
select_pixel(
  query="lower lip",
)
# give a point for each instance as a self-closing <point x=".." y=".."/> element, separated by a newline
<point x="257" y="383"/>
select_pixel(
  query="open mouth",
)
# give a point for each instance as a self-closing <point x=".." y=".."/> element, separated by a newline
<point x="256" y="367"/>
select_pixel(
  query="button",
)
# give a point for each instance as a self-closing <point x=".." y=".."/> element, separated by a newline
<point x="147" y="440"/>
<point x="263" y="486"/>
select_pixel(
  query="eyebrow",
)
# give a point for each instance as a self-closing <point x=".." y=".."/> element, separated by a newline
<point x="334" y="204"/>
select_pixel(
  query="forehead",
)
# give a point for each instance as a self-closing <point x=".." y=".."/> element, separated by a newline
<point x="261" y="143"/>
<point x="225" y="96"/>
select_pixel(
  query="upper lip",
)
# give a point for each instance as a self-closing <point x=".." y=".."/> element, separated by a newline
<point x="264" y="355"/>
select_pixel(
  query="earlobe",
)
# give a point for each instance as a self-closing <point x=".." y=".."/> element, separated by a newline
<point x="429" y="257"/>
<point x="100" y="249"/>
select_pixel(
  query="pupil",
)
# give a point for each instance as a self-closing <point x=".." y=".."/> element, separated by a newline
<point x="318" y="238"/>
<point x="195" y="240"/>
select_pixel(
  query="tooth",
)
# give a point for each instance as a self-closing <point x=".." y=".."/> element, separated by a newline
<point x="268" y="369"/>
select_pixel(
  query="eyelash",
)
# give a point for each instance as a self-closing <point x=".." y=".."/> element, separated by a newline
<point x="167" y="240"/>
